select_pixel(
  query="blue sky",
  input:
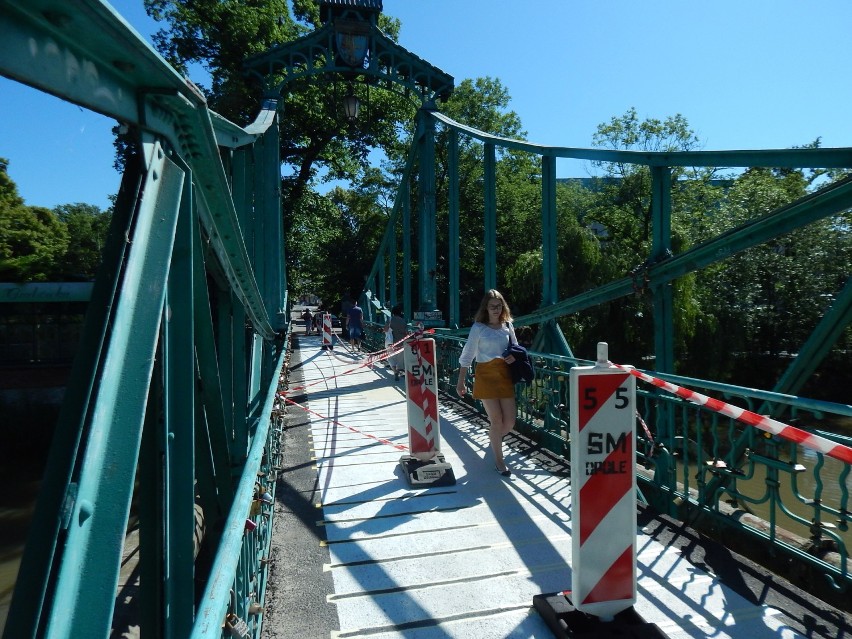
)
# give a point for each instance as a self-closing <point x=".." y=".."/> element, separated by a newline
<point x="745" y="74"/>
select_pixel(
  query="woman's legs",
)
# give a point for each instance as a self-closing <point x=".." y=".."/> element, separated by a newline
<point x="501" y="417"/>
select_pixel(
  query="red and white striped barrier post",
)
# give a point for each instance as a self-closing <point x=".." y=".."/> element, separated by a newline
<point x="603" y="488"/>
<point x="424" y="465"/>
<point x="326" y="332"/>
<point x="603" y="506"/>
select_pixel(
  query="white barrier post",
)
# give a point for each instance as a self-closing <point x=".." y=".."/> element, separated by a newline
<point x="603" y="509"/>
<point x="603" y="487"/>
<point x="424" y="465"/>
<point x="326" y="332"/>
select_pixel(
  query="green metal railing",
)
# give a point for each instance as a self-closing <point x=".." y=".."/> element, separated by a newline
<point x="777" y="491"/>
<point x="170" y="416"/>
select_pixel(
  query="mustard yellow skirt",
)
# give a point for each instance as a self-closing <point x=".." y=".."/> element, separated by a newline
<point x="492" y="380"/>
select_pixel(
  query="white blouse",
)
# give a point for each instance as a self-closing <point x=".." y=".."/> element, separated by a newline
<point x="485" y="343"/>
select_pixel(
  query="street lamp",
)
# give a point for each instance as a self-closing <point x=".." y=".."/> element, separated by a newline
<point x="351" y="105"/>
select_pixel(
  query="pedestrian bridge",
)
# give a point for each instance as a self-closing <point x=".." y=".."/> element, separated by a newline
<point x="465" y="560"/>
<point x="179" y="497"/>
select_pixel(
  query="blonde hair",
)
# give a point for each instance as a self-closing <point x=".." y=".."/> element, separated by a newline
<point x="482" y="314"/>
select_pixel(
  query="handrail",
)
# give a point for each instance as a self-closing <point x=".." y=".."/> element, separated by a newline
<point x="225" y="571"/>
<point x="681" y="450"/>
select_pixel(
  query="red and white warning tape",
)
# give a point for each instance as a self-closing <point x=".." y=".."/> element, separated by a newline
<point x="785" y="431"/>
<point x="352" y="428"/>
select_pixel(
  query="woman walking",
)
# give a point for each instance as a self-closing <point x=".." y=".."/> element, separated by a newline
<point x="488" y="339"/>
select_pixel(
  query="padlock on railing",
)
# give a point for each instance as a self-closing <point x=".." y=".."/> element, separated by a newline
<point x="255" y="509"/>
<point x="236" y="627"/>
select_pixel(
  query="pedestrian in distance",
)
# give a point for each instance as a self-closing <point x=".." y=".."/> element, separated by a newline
<point x="356" y="326"/>
<point x="308" y="318"/>
<point x="396" y="329"/>
<point x="488" y="339"/>
<point x="525" y="336"/>
<point x="346" y="305"/>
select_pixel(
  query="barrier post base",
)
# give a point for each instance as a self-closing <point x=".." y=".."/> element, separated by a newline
<point x="566" y="622"/>
<point x="424" y="474"/>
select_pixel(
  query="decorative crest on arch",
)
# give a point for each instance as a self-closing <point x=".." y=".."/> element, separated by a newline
<point x="351" y="43"/>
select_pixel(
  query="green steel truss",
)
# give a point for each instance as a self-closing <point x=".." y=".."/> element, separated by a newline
<point x="174" y="388"/>
<point x="318" y="54"/>
<point x="662" y="267"/>
<point x="170" y="410"/>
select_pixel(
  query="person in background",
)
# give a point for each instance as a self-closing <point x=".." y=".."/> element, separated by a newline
<point x="396" y="328"/>
<point x="318" y="320"/>
<point x="308" y="318"/>
<point x="487" y="341"/>
<point x="346" y="305"/>
<point x="355" y="322"/>
<point x="525" y="336"/>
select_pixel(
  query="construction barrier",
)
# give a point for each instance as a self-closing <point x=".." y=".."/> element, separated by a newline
<point x="326" y="332"/>
<point x="424" y="465"/>
<point x="603" y="510"/>
<point x="603" y="488"/>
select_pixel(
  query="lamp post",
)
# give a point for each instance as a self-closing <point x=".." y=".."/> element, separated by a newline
<point x="351" y="105"/>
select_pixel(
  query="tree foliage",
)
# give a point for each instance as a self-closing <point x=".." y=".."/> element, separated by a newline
<point x="39" y="244"/>
<point x="765" y="299"/>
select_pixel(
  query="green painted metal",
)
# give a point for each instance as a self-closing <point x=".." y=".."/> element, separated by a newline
<point x="490" y="215"/>
<point x="663" y="295"/>
<point x="177" y="432"/>
<point x="181" y="388"/>
<point x="177" y="372"/>
<point x="95" y="534"/>
<point x="453" y="235"/>
<point x="45" y="292"/>
<point x="682" y="486"/>
<point x="543" y="405"/>
<point x="426" y="268"/>
<point x="549" y="256"/>
<point x="58" y="487"/>
<point x="316" y="54"/>
<point x="405" y="196"/>
<point x="815" y="349"/>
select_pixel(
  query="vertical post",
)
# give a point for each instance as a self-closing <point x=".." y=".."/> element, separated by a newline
<point x="275" y="286"/>
<point x="549" y="285"/>
<point x="423" y="465"/>
<point x="453" y="231"/>
<point x="178" y="433"/>
<point x="661" y="213"/>
<point x="254" y="226"/>
<point x="405" y="194"/>
<point x="490" y="200"/>
<point x="427" y="261"/>
<point x="382" y="284"/>
<point x="392" y="251"/>
<point x="662" y="293"/>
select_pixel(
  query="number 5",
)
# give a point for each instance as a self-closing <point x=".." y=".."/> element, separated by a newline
<point x="621" y="399"/>
<point x="589" y="396"/>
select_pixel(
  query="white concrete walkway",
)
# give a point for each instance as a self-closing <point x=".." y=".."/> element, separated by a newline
<point x="466" y="560"/>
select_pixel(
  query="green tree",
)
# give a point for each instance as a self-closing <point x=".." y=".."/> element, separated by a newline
<point x="32" y="243"/>
<point x="621" y="211"/>
<point x="87" y="227"/>
<point x="483" y="103"/>
<point x="767" y="300"/>
<point x="9" y="197"/>
<point x="318" y="145"/>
